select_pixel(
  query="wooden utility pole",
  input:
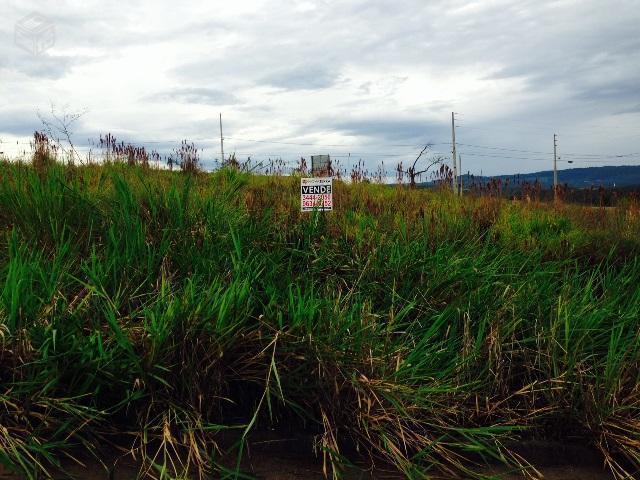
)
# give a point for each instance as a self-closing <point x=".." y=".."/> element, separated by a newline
<point x="221" y="142"/>
<point x="555" y="167"/>
<point x="453" y="151"/>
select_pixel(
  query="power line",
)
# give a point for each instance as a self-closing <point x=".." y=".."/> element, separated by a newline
<point x="572" y="160"/>
<point x="504" y="149"/>
<point x="336" y="155"/>
<point x="508" y="157"/>
<point x="320" y="144"/>
<point x="589" y="161"/>
<point x="570" y="154"/>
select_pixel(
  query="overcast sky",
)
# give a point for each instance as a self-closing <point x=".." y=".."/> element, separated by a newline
<point x="376" y="79"/>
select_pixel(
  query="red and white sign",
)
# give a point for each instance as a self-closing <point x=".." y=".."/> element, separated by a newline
<point x="316" y="194"/>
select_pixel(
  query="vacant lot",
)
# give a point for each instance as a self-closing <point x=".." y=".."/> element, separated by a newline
<point x="176" y="316"/>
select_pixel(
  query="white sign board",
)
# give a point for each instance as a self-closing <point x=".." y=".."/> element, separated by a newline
<point x="316" y="194"/>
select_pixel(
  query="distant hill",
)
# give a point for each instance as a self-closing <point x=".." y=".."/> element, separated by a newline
<point x="618" y="176"/>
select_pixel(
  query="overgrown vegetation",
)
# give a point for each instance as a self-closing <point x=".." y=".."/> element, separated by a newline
<point x="159" y="311"/>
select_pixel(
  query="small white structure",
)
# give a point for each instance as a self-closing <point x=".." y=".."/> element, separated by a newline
<point x="321" y="165"/>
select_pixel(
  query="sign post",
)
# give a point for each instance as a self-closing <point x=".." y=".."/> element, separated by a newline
<point x="316" y="194"/>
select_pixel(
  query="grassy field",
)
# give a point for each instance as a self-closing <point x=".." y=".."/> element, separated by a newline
<point x="166" y="313"/>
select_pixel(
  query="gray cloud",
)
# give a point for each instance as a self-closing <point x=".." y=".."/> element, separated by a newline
<point x="44" y="67"/>
<point x="19" y="122"/>
<point x="594" y="58"/>
<point x="621" y="94"/>
<point x="419" y="131"/>
<point x="204" y="96"/>
<point x="304" y="77"/>
<point x="631" y="109"/>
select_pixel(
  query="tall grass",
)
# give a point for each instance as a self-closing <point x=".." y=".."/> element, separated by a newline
<point x="161" y="313"/>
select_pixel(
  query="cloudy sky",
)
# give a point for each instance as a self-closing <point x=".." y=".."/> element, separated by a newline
<point x="370" y="79"/>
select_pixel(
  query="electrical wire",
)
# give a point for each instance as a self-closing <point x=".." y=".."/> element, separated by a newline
<point x="316" y="144"/>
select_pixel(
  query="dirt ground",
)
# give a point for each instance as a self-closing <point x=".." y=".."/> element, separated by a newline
<point x="288" y="459"/>
<point x="291" y="468"/>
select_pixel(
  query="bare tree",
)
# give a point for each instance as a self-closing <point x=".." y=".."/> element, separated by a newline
<point x="413" y="172"/>
<point x="58" y="125"/>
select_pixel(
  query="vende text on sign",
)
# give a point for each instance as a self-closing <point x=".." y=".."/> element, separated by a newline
<point x="316" y="194"/>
